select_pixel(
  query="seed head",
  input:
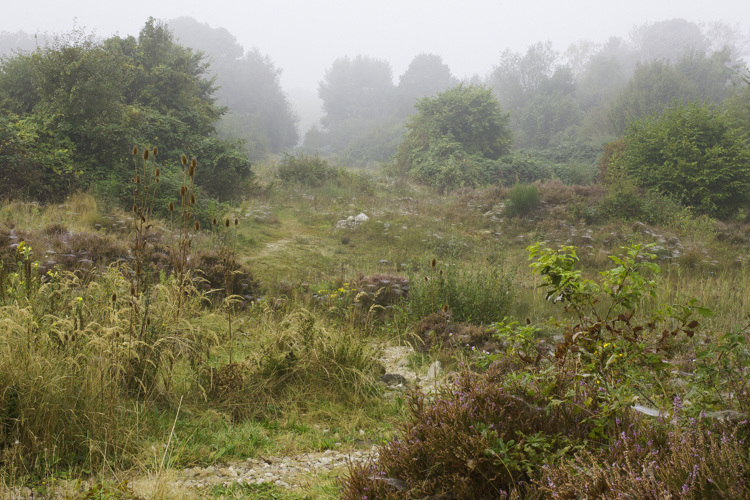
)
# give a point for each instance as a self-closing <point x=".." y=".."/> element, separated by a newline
<point x="426" y="279"/>
<point x="132" y="179"/>
<point x="155" y="151"/>
<point x="145" y="154"/>
<point x="114" y="297"/>
<point x="171" y="206"/>
<point x="191" y="170"/>
<point x="73" y="338"/>
<point x="236" y="221"/>
<point x="158" y="170"/>
<point x="135" y="207"/>
<point x="138" y="178"/>
<point x="433" y="263"/>
<point x="148" y="320"/>
<point x="194" y="163"/>
<point x="226" y="222"/>
<point x="183" y="158"/>
<point x="192" y="199"/>
<point x="66" y="337"/>
<point x="197" y="226"/>
<point x="445" y="308"/>
<point x="132" y="290"/>
<point x="135" y="150"/>
<point x="528" y="320"/>
<point x="158" y="179"/>
<point x="440" y="272"/>
<point x="117" y="334"/>
<point x="183" y="191"/>
<point x="214" y="221"/>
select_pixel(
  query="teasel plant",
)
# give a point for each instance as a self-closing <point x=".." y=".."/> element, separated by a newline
<point x="229" y="258"/>
<point x="145" y="184"/>
<point x="187" y="228"/>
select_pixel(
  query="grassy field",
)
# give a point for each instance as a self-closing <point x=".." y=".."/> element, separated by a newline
<point x="117" y="364"/>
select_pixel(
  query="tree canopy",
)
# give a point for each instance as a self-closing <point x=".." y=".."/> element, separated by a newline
<point x="74" y="107"/>
<point x="693" y="153"/>
<point x="452" y="133"/>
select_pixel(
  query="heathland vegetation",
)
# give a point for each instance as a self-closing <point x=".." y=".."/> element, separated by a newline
<point x="556" y="255"/>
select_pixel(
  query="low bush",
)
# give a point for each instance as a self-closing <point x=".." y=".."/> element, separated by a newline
<point x="479" y="295"/>
<point x="521" y="200"/>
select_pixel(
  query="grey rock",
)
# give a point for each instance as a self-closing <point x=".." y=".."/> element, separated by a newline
<point x="435" y="369"/>
<point x="361" y="218"/>
<point x="393" y="379"/>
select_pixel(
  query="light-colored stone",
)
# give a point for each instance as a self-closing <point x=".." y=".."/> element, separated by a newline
<point x="361" y="218"/>
<point x="434" y="370"/>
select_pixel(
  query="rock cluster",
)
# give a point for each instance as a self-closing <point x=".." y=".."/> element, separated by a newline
<point x="285" y="472"/>
<point x="352" y="222"/>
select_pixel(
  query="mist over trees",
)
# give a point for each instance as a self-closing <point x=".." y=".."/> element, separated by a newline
<point x="71" y="104"/>
<point x="248" y="85"/>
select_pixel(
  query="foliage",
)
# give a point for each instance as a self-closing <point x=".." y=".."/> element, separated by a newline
<point x="521" y="200"/>
<point x="426" y="76"/>
<point x="479" y="296"/>
<point x="315" y="172"/>
<point x="692" y="153"/>
<point x="451" y="133"/>
<point x="248" y="83"/>
<point x="356" y="88"/>
<point x="86" y="102"/>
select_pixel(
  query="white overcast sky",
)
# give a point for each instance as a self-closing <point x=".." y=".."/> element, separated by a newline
<point x="304" y="37"/>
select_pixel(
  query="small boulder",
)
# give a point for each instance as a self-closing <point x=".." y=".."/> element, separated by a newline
<point x="393" y="379"/>
<point x="434" y="370"/>
<point x="361" y="218"/>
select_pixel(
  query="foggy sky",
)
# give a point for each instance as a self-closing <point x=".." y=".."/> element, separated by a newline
<point x="304" y="37"/>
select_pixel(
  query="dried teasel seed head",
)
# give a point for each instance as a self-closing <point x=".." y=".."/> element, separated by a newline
<point x="143" y="219"/>
<point x="135" y="150"/>
<point x="158" y="170"/>
<point x="135" y="207"/>
<point x="145" y="154"/>
<point x="73" y="338"/>
<point x="197" y="226"/>
<point x="114" y="297"/>
<point x="433" y="263"/>
<point x="183" y="159"/>
<point x="192" y="199"/>
<point x="171" y="206"/>
<point x="117" y="334"/>
<point x="191" y="170"/>
<point x="132" y="179"/>
<point x="426" y="279"/>
<point x="66" y="337"/>
<point x="155" y="151"/>
<point x="214" y="221"/>
<point x="132" y="290"/>
<point x="194" y="163"/>
<point x="148" y="320"/>
<point x="158" y="179"/>
<point x="528" y="320"/>
<point x="137" y="179"/>
<point x="440" y="272"/>
<point x="226" y="222"/>
<point x="236" y="221"/>
<point x="183" y="191"/>
<point x="445" y="308"/>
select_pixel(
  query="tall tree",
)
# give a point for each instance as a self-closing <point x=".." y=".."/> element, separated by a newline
<point x="426" y="75"/>
<point x="360" y="88"/>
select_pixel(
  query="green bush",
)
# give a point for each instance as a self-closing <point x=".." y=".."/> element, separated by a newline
<point x="693" y="153"/>
<point x="522" y="199"/>
<point x="480" y="295"/>
<point x="315" y="172"/>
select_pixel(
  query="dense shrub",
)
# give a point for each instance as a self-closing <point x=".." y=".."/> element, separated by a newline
<point x="521" y="200"/>
<point x="479" y="295"/>
<point x="693" y="153"/>
<point x="452" y="132"/>
<point x="475" y="440"/>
